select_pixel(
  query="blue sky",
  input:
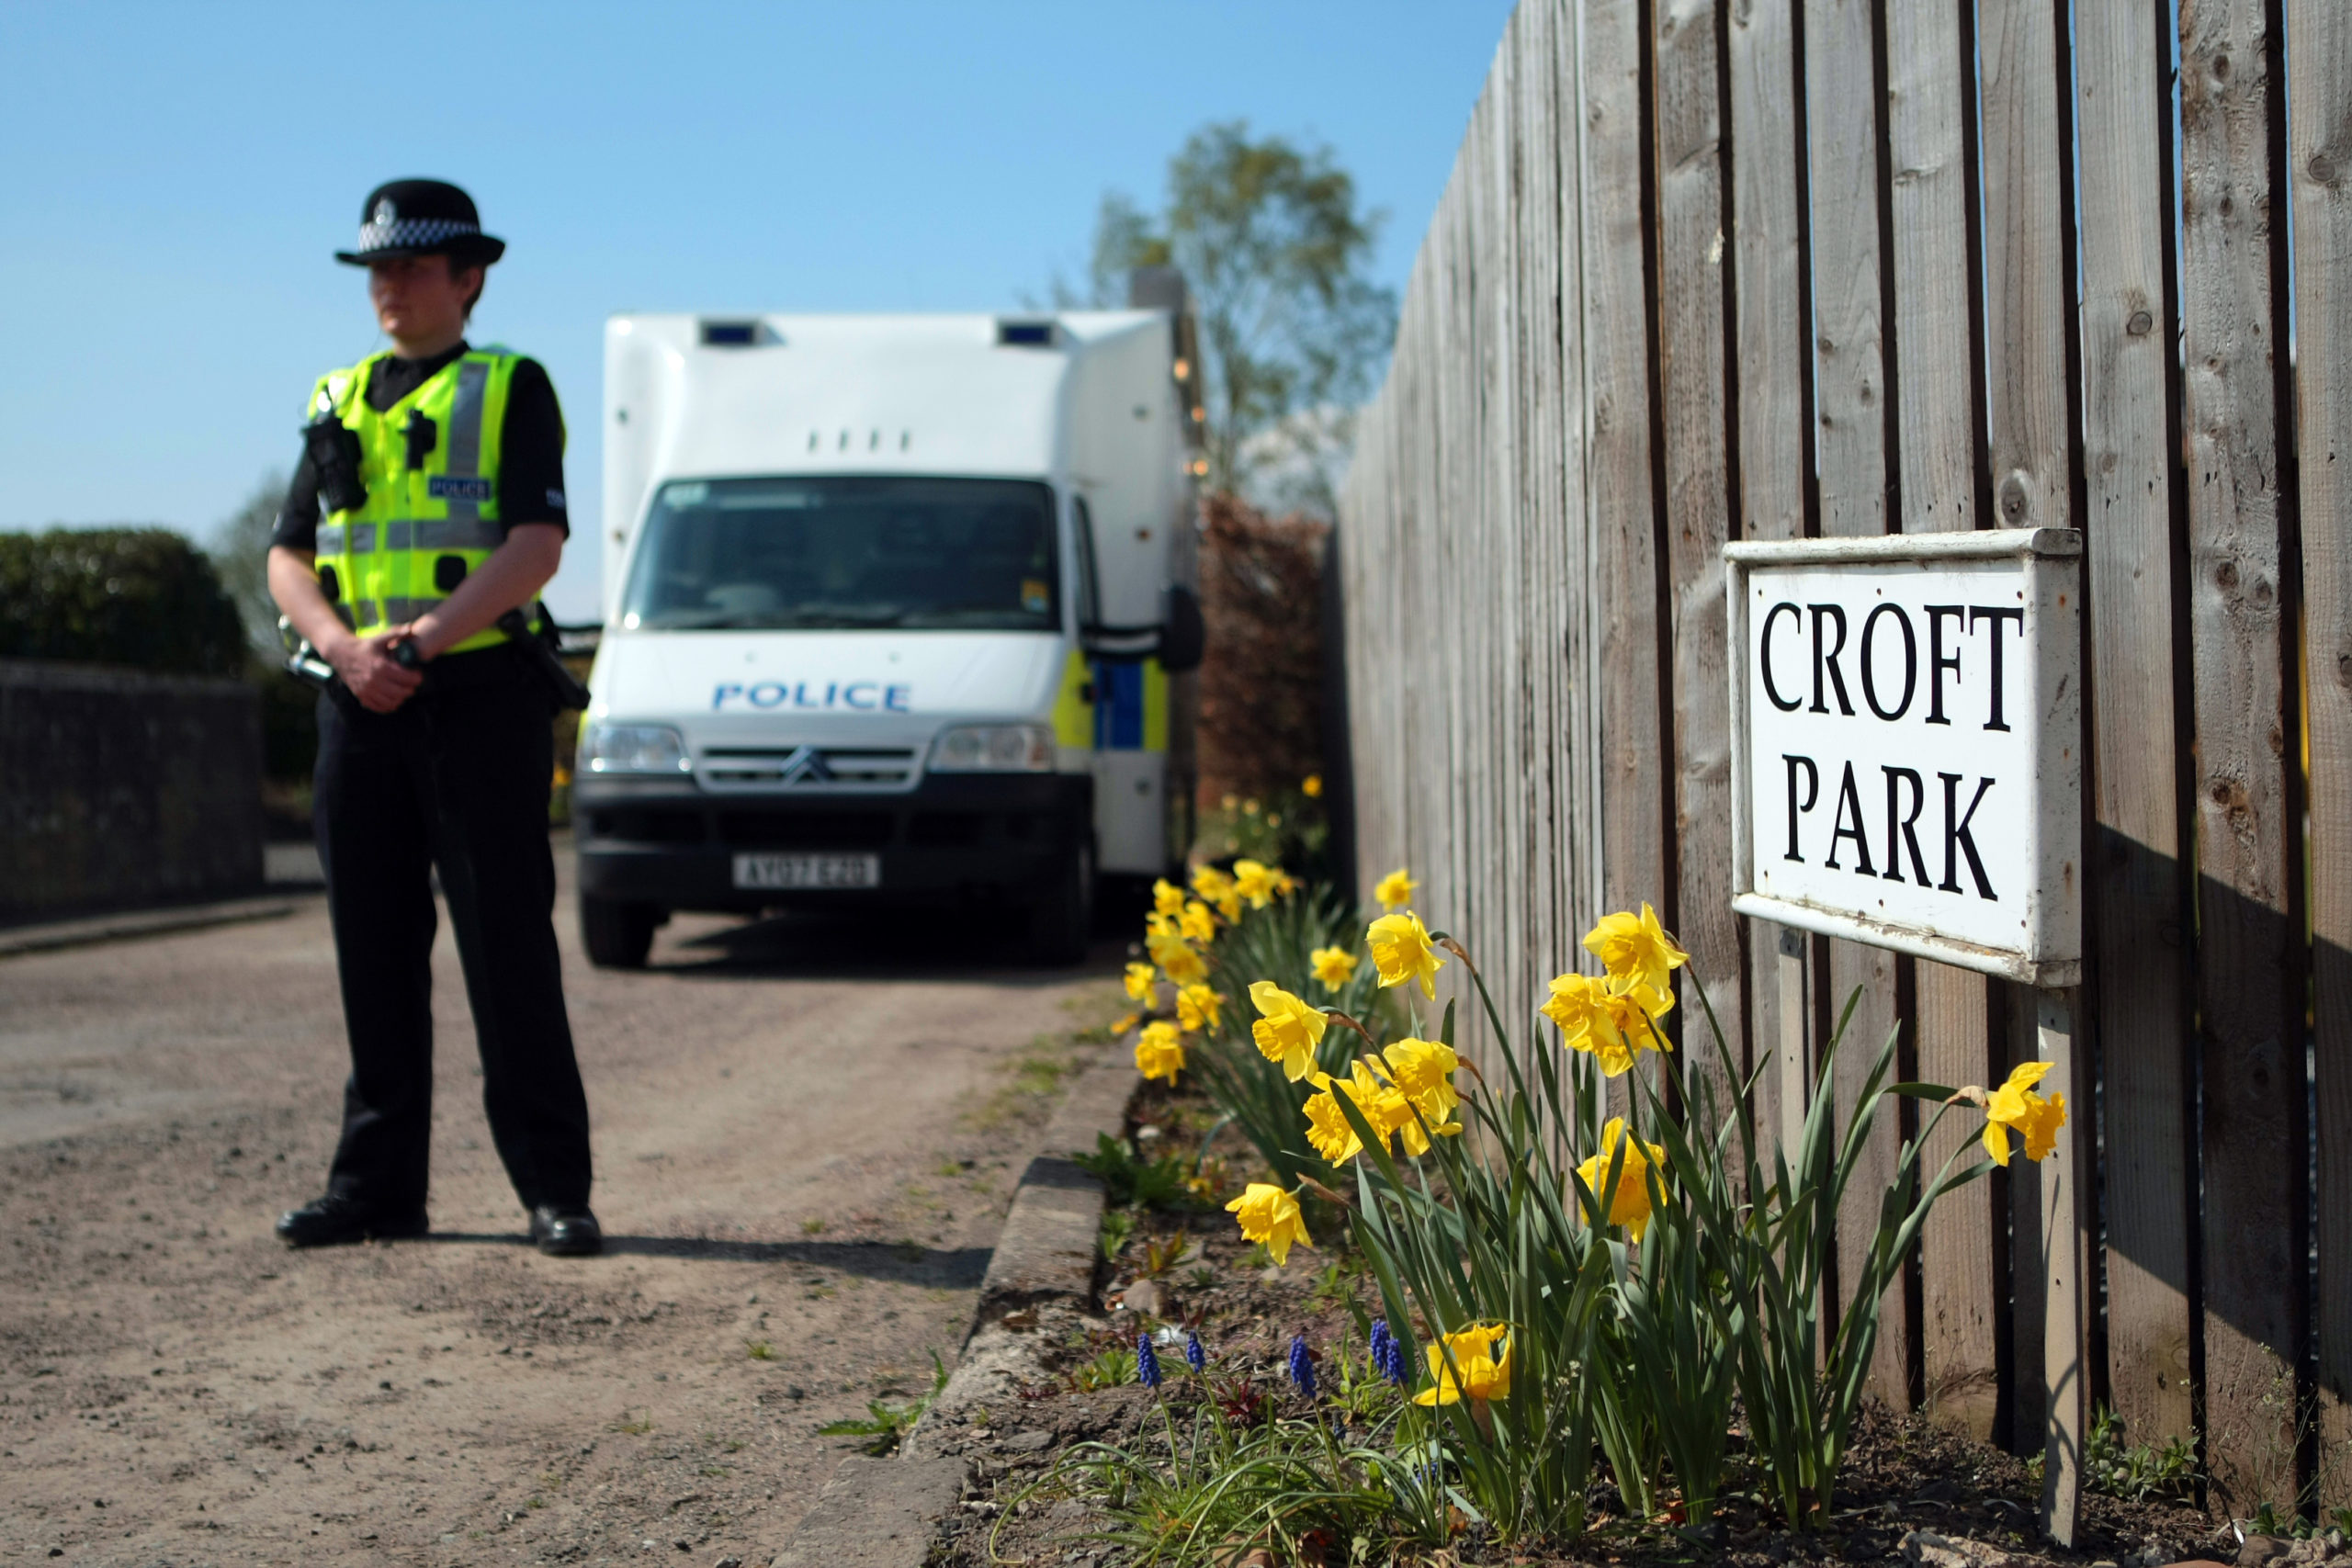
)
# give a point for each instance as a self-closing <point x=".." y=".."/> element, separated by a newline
<point x="178" y="175"/>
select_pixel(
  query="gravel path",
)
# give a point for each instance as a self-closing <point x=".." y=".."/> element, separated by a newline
<point x="805" y="1142"/>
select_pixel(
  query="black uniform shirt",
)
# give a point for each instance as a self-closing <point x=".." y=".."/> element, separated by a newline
<point x="530" y="462"/>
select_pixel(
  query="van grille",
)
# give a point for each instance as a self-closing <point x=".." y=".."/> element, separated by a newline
<point x="813" y="768"/>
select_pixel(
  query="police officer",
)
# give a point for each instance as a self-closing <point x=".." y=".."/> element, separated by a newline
<point x="428" y="503"/>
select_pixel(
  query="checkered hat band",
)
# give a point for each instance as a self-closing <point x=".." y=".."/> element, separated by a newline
<point x="405" y="231"/>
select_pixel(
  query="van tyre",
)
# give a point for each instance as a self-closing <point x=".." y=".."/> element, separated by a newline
<point x="1061" y="923"/>
<point x="617" y="932"/>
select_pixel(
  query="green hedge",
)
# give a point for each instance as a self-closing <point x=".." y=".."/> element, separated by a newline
<point x="141" y="597"/>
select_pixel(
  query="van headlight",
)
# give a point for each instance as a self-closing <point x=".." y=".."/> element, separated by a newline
<point x="994" y="748"/>
<point x="633" y="749"/>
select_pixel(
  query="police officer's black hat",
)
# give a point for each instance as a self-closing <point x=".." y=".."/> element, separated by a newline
<point x="421" y="218"/>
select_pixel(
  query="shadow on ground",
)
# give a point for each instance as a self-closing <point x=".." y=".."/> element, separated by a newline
<point x="875" y="944"/>
<point x="951" y="1269"/>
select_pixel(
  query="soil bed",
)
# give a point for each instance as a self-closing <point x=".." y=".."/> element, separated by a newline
<point x="1902" y="1474"/>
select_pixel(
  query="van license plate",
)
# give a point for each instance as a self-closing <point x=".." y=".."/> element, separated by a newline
<point x="807" y="871"/>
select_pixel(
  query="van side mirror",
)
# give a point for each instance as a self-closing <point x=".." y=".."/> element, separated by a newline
<point x="1178" y="641"/>
<point x="1183" y="638"/>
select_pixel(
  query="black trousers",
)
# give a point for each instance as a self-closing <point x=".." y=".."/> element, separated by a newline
<point x="458" y="777"/>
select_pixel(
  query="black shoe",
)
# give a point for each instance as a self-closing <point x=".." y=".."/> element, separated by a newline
<point x="566" y="1233"/>
<point x="336" y="1222"/>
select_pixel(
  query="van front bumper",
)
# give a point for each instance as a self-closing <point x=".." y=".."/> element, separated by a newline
<point x="956" y="837"/>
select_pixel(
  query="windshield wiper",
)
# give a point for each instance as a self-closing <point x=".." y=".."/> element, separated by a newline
<point x="697" y="620"/>
<point x="815" y="619"/>
<point x="773" y="620"/>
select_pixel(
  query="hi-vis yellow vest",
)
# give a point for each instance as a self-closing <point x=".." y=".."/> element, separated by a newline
<point x="425" y="524"/>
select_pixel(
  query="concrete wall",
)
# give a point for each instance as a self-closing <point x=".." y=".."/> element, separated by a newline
<point x="120" y="788"/>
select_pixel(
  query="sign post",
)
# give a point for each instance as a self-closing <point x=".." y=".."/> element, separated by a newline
<point x="1907" y="772"/>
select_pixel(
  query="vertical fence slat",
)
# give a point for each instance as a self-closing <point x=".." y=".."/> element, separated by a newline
<point x="1620" y="506"/>
<point x="1440" y="764"/>
<point x="1769" y="353"/>
<point x="1472" y="542"/>
<point x="1580" y="886"/>
<point x="1542" y="488"/>
<point x="1851" y="467"/>
<point x="2319" y="164"/>
<point x="2028" y="482"/>
<point x="1690" y="313"/>
<point x="1506" y="656"/>
<point x="1927" y="104"/>
<point x="2137" y="935"/>
<point x="2250" y="981"/>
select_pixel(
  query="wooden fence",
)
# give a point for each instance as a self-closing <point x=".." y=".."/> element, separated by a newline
<point x="1714" y="269"/>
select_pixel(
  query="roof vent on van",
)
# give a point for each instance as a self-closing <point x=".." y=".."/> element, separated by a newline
<point x="1025" y="335"/>
<point x="736" y="335"/>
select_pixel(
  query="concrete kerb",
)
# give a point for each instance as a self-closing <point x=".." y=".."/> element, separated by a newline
<point x="134" y="925"/>
<point x="876" y="1513"/>
<point x="885" y="1513"/>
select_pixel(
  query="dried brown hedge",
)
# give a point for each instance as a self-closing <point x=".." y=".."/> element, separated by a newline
<point x="1261" y="684"/>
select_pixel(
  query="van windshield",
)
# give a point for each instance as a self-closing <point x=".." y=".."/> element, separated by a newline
<point x="917" y="554"/>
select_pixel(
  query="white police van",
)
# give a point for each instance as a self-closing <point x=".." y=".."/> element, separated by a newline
<point x="897" y="609"/>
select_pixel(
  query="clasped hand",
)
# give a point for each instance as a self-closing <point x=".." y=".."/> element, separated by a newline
<point x="367" y="667"/>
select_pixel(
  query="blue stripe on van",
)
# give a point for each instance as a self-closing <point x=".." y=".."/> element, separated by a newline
<point x="1118" y="707"/>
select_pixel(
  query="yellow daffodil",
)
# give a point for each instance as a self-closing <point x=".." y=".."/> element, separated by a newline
<point x="1289" y="1029"/>
<point x="1254" y="880"/>
<point x="1386" y="1108"/>
<point x="1167" y="898"/>
<point x="2014" y="1106"/>
<point x="1197" y="922"/>
<point x="1176" y="959"/>
<point x="1332" y="965"/>
<point x="1138" y="981"/>
<point x="1640" y="958"/>
<point x="1270" y="1216"/>
<point x="1160" y="1051"/>
<point x="1311" y="787"/>
<point x="1211" y="884"/>
<point x="1196" y="1006"/>
<point x="1391" y="1109"/>
<point x="1631" y="1206"/>
<point x="1482" y="1354"/>
<point x="1160" y="925"/>
<point x="1401" y="951"/>
<point x="1328" y="1131"/>
<point x="1124" y="1023"/>
<point x="1610" y="1027"/>
<point x="1423" y="1070"/>
<point x="1285" y="883"/>
<point x="1228" y="904"/>
<point x="1395" y="889"/>
<point x="1387" y="1111"/>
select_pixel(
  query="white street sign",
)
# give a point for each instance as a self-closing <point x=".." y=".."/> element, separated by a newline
<point x="1907" y="753"/>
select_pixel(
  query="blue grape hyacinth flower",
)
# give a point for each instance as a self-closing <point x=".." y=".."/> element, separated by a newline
<point x="1380" y="1338"/>
<point x="1302" y="1365"/>
<point x="1146" y="1362"/>
<point x="1197" y="1355"/>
